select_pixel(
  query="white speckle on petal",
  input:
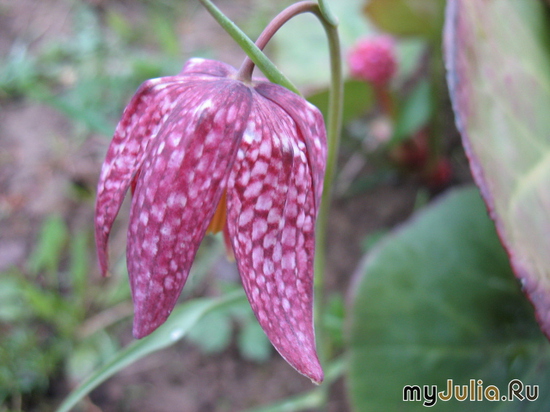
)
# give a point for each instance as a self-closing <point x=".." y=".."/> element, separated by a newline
<point x="207" y="104"/>
<point x="273" y="216"/>
<point x="259" y="168"/>
<point x="265" y="148"/>
<point x="166" y="230"/>
<point x="268" y="267"/>
<point x="232" y="114"/>
<point x="286" y="304"/>
<point x="175" y="159"/>
<point x="277" y="252"/>
<point x="253" y="190"/>
<point x="244" y="178"/>
<point x="157" y="212"/>
<point x="249" y="134"/>
<point x="174" y="138"/>
<point x="259" y="227"/>
<point x="169" y="283"/>
<point x="260" y="281"/>
<point x="257" y="256"/>
<point x="269" y="240"/>
<point x="289" y="260"/>
<point x="144" y="217"/>
<point x="246" y="217"/>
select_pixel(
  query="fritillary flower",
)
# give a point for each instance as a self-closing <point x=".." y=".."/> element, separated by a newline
<point x="204" y="151"/>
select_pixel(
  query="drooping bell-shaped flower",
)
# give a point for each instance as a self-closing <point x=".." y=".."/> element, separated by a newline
<point x="203" y="151"/>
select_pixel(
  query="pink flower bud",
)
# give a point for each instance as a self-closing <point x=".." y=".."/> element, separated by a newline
<point x="373" y="59"/>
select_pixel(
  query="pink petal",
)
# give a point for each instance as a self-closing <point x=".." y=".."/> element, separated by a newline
<point x="311" y="129"/>
<point x="198" y="67"/>
<point x="177" y="191"/>
<point x="140" y="123"/>
<point x="271" y="221"/>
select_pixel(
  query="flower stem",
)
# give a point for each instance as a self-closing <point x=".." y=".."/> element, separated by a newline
<point x="385" y="99"/>
<point x="334" y="126"/>
<point x="256" y="55"/>
<point x="245" y="72"/>
<point x="328" y="17"/>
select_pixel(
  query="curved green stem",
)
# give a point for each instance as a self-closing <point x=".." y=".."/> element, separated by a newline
<point x="334" y="127"/>
<point x="328" y="17"/>
<point x="256" y="55"/>
<point x="245" y="72"/>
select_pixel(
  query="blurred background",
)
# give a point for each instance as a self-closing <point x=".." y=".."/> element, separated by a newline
<point x="67" y="70"/>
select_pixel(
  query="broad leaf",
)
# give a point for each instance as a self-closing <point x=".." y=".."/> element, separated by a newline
<point x="498" y="61"/>
<point x="407" y="17"/>
<point x="437" y="300"/>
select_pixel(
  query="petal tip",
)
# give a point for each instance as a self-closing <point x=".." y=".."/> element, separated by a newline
<point x="145" y="322"/>
<point x="317" y="376"/>
<point x="310" y="367"/>
<point x="141" y="329"/>
<point x="103" y="262"/>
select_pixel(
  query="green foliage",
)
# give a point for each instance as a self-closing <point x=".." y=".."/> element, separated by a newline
<point x="37" y="321"/>
<point x="90" y="76"/>
<point x="215" y="332"/>
<point x="415" y="112"/>
<point x="51" y="241"/>
<point x="437" y="300"/>
<point x="407" y="17"/>
<point x="359" y="100"/>
<point x="29" y="358"/>
<point x="253" y="343"/>
<point x="333" y="321"/>
<point x="182" y="319"/>
<point x="89" y="354"/>
<point x="500" y="87"/>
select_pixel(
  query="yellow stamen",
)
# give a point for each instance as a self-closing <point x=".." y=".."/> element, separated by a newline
<point x="228" y="248"/>
<point x="218" y="220"/>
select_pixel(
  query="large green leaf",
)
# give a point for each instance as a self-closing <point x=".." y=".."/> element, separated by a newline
<point x="182" y="319"/>
<point x="498" y="61"/>
<point x="407" y="17"/>
<point x="437" y="300"/>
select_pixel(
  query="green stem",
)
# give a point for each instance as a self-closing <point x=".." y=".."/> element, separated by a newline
<point x="334" y="127"/>
<point x="328" y="17"/>
<point x="256" y="55"/>
<point x="245" y="72"/>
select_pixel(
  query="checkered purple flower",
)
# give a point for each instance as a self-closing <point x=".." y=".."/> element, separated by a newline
<point x="205" y="151"/>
